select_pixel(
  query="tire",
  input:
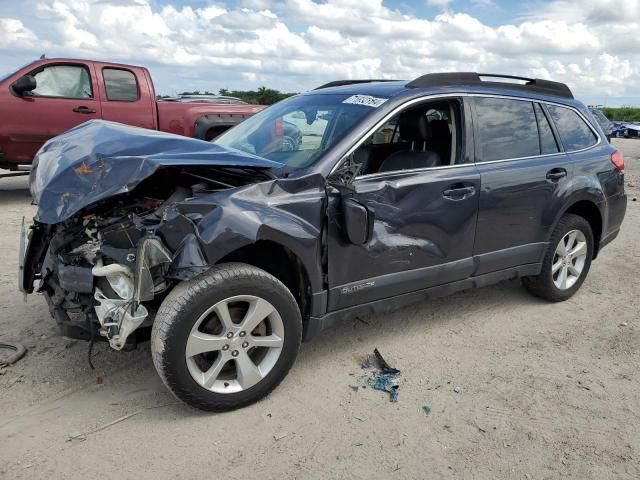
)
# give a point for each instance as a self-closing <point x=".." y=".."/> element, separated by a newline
<point x="546" y="284"/>
<point x="215" y="132"/>
<point x="289" y="144"/>
<point x="190" y="312"/>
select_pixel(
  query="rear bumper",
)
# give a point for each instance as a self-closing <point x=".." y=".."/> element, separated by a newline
<point x="617" y="207"/>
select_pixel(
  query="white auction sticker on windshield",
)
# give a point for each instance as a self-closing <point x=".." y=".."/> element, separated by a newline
<point x="367" y="100"/>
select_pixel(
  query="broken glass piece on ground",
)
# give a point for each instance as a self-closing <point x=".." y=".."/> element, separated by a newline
<point x="385" y="378"/>
<point x="382" y="363"/>
<point x="386" y="382"/>
<point x="426" y="409"/>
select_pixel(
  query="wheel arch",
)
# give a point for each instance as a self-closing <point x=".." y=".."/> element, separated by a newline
<point x="279" y="261"/>
<point x="208" y="127"/>
<point x="588" y="209"/>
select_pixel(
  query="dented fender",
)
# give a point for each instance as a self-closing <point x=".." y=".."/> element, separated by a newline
<point x="289" y="212"/>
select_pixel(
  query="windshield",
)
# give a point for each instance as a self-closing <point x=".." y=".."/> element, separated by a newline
<point x="298" y="130"/>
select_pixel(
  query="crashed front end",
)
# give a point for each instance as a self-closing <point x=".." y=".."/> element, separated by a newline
<point x="118" y="220"/>
<point x="96" y="277"/>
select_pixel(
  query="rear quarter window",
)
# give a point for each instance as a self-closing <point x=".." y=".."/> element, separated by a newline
<point x="574" y="131"/>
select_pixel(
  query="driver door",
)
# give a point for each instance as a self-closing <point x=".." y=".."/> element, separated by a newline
<point x="65" y="97"/>
<point x="420" y="228"/>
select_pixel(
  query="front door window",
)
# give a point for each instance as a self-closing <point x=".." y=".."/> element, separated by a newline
<point x="66" y="81"/>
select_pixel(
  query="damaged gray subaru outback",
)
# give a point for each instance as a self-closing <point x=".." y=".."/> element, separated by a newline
<point x="227" y="255"/>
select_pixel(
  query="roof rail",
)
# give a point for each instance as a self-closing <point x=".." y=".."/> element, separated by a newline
<point x="538" y="85"/>
<point x="339" y="83"/>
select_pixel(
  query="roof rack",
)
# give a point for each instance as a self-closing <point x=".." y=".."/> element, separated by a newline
<point x="538" y="85"/>
<point x="339" y="83"/>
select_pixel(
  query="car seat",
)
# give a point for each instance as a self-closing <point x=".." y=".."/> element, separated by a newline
<point x="413" y="129"/>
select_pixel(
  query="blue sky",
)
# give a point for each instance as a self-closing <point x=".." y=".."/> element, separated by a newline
<point x="294" y="45"/>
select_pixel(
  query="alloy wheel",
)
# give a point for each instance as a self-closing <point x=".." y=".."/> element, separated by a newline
<point x="569" y="259"/>
<point x="234" y="344"/>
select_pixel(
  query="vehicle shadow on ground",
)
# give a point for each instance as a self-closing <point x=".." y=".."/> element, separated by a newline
<point x="418" y="319"/>
<point x="415" y="320"/>
<point x="14" y="190"/>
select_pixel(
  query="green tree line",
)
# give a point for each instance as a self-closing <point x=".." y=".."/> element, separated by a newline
<point x="261" y="96"/>
<point x="628" y="114"/>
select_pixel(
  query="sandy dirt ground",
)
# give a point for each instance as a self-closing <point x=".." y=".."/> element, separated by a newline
<point x="518" y="389"/>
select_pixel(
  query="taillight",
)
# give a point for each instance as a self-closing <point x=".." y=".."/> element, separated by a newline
<point x="617" y="160"/>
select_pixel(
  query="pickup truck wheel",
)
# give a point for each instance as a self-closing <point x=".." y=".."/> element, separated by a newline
<point x="289" y="144"/>
<point x="215" y="132"/>
<point x="226" y="338"/>
<point x="567" y="261"/>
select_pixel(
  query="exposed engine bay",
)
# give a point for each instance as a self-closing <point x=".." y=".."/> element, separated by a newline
<point x="105" y="270"/>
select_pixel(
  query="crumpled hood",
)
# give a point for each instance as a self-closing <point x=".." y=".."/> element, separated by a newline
<point x="100" y="159"/>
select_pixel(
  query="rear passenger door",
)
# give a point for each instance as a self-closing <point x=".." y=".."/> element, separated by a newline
<point x="522" y="172"/>
<point x="124" y="99"/>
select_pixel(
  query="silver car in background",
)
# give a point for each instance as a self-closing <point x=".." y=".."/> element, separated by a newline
<point x="603" y="121"/>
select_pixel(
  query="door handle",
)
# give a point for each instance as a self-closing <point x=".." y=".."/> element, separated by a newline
<point x="456" y="192"/>
<point x="556" y="174"/>
<point x="83" y="109"/>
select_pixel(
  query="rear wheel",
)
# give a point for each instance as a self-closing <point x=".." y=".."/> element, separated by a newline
<point x="289" y="144"/>
<point x="567" y="261"/>
<point x="215" y="132"/>
<point x="227" y="338"/>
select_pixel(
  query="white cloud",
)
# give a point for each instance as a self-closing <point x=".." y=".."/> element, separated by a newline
<point x="14" y="34"/>
<point x="297" y="44"/>
<point x="594" y="11"/>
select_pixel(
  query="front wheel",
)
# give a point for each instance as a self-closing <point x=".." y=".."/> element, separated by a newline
<point x="567" y="261"/>
<point x="226" y="338"/>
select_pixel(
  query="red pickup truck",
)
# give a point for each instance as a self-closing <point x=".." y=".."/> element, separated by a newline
<point x="49" y="96"/>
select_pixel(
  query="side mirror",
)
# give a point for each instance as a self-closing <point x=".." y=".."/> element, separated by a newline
<point x="24" y="84"/>
<point x="358" y="222"/>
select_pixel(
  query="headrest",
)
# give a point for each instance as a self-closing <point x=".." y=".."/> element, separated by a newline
<point x="439" y="128"/>
<point x="413" y="126"/>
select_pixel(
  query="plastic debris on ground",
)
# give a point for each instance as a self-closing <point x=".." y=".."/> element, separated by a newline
<point x="19" y="350"/>
<point x="385" y="378"/>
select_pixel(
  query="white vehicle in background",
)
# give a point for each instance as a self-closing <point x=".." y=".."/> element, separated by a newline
<point x="632" y="130"/>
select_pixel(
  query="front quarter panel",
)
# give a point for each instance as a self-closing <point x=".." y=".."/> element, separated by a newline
<point x="287" y="212"/>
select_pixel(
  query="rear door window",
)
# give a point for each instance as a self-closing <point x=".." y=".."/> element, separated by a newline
<point x="506" y="129"/>
<point x="120" y="85"/>
<point x="548" y="144"/>
<point x="574" y="131"/>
